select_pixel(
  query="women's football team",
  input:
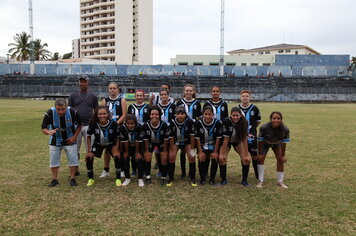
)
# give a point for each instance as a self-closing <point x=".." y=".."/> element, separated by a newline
<point x="164" y="127"/>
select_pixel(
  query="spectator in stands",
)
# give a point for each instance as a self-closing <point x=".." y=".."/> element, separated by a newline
<point x="118" y="111"/>
<point x="84" y="102"/>
<point x="63" y="124"/>
<point x="275" y="135"/>
<point x="253" y="118"/>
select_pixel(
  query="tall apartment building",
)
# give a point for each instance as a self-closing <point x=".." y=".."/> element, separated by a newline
<point x="117" y="30"/>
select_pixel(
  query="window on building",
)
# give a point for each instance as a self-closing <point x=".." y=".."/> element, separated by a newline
<point x="198" y="63"/>
<point x="231" y="63"/>
<point x="214" y="63"/>
<point x="261" y="53"/>
<point x="296" y="52"/>
<point x="287" y="50"/>
<point x="243" y="64"/>
<point x="280" y="51"/>
<point x="254" y="64"/>
<point x="182" y="63"/>
<point x="267" y="52"/>
<point x="266" y="64"/>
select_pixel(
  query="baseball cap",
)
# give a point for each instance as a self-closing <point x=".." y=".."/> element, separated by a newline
<point x="84" y="77"/>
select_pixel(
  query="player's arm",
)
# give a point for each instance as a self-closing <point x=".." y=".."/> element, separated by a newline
<point x="124" y="111"/>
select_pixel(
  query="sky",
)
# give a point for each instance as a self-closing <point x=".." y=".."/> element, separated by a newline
<point x="193" y="26"/>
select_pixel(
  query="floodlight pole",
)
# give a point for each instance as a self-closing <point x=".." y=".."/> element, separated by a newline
<point x="222" y="15"/>
<point x="32" y="51"/>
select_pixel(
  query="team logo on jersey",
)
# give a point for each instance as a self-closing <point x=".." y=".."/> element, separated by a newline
<point x="195" y="106"/>
<point x="111" y="131"/>
<point x="145" y="110"/>
<point x="223" y="108"/>
<point x="201" y="130"/>
<point x="252" y="113"/>
<point x="170" y="110"/>
<point x="97" y="131"/>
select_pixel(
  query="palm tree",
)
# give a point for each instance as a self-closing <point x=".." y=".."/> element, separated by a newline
<point x="40" y="51"/>
<point x="21" y="48"/>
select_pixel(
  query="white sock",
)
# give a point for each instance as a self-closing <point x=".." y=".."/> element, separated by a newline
<point x="148" y="177"/>
<point x="280" y="176"/>
<point x="261" y="172"/>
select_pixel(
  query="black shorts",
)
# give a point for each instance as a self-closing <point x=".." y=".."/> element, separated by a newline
<point x="98" y="149"/>
<point x="252" y="147"/>
<point x="266" y="146"/>
<point x="234" y="144"/>
<point x="152" y="146"/>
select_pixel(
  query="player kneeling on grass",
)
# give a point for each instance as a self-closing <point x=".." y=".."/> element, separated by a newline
<point x="128" y="134"/>
<point x="181" y="137"/>
<point x="275" y="135"/>
<point x="235" y="135"/>
<point x="104" y="130"/>
<point x="63" y="124"/>
<point x="208" y="139"/>
<point x="154" y="134"/>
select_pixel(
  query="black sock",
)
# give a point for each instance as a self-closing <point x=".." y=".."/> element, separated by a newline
<point x="133" y="163"/>
<point x="171" y="167"/>
<point x="89" y="163"/>
<point x="159" y="163"/>
<point x="117" y="167"/>
<point x="106" y="169"/>
<point x="254" y="164"/>
<point x="213" y="169"/>
<point x="164" y="170"/>
<point x="182" y="162"/>
<point x="122" y="163"/>
<point x="192" y="170"/>
<point x="245" y="169"/>
<point x="223" y="172"/>
<point x="201" y="167"/>
<point x="148" y="168"/>
<point x="127" y="168"/>
<point x="206" y="167"/>
<point x="140" y="166"/>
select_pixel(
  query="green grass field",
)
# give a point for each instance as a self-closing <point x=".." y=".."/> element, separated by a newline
<point x="320" y="173"/>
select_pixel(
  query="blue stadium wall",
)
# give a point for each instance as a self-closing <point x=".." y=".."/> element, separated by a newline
<point x="286" y="65"/>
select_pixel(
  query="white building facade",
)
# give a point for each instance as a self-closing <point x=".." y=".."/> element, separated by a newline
<point x="117" y="30"/>
<point x="264" y="56"/>
<point x="76" y="48"/>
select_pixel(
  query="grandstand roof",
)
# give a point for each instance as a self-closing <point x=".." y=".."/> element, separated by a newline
<point x="281" y="46"/>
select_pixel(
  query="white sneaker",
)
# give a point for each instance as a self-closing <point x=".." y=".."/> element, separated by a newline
<point x="122" y="174"/>
<point x="140" y="183"/>
<point x="282" y="185"/>
<point x="259" y="184"/>
<point x="126" y="182"/>
<point x="104" y="174"/>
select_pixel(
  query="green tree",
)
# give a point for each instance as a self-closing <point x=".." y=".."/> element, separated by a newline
<point x="55" y="56"/>
<point x="40" y="51"/>
<point x="20" y="49"/>
<point x="67" y="55"/>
